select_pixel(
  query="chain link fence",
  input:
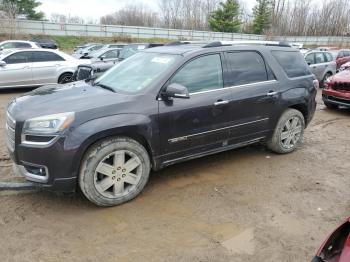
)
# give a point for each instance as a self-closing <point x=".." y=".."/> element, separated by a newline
<point x="90" y="30"/>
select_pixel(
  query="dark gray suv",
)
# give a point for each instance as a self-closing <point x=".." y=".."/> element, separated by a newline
<point x="159" y="107"/>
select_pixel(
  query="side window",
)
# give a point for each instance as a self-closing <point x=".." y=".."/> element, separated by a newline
<point x="319" y="58"/>
<point x="18" y="58"/>
<point x="341" y="54"/>
<point x="22" y="45"/>
<point x="293" y="63"/>
<point x="111" y="54"/>
<point x="40" y="56"/>
<point x="346" y="53"/>
<point x="202" y="74"/>
<point x="247" y="68"/>
<point x="328" y="57"/>
<point x="8" y="45"/>
<point x="310" y="59"/>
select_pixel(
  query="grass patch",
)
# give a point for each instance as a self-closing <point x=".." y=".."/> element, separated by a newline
<point x="67" y="43"/>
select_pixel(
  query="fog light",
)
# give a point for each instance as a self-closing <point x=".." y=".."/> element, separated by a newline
<point x="35" y="170"/>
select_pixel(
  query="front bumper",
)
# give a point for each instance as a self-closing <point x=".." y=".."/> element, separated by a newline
<point x="51" y="168"/>
<point x="336" y="97"/>
<point x="56" y="185"/>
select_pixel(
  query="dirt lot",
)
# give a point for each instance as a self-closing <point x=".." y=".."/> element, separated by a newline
<point x="243" y="205"/>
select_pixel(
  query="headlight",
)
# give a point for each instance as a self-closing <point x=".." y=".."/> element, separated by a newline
<point x="49" y="124"/>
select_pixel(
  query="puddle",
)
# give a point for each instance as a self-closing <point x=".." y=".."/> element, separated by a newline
<point x="243" y="243"/>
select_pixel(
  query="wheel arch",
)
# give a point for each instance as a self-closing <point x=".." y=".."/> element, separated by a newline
<point x="303" y="109"/>
<point x="64" y="72"/>
<point x="139" y="131"/>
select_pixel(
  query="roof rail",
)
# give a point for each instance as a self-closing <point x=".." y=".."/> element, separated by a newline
<point x="248" y="42"/>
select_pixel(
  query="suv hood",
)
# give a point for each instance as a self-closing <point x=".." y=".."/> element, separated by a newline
<point x="74" y="97"/>
<point x="343" y="76"/>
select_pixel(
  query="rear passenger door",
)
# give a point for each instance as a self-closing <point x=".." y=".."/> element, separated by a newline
<point x="320" y="66"/>
<point x="254" y="92"/>
<point x="45" y="67"/>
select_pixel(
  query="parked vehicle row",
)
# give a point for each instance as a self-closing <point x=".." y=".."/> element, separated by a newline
<point x="106" y="58"/>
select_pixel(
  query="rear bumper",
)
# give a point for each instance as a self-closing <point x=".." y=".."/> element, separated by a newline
<point x="335" y="97"/>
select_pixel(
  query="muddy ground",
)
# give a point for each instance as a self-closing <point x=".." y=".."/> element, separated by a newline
<point x="244" y="205"/>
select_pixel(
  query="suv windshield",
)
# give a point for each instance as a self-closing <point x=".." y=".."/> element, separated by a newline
<point x="137" y="72"/>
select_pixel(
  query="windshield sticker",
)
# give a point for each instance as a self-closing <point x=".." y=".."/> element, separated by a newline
<point x="161" y="60"/>
<point x="141" y="47"/>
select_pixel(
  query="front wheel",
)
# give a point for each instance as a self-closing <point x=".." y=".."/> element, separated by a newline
<point x="325" y="78"/>
<point x="288" y="133"/>
<point x="65" y="78"/>
<point x="114" y="171"/>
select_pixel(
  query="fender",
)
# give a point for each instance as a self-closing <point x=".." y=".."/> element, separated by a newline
<point x="136" y="126"/>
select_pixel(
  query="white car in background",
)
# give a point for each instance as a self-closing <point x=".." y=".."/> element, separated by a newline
<point x="36" y="67"/>
<point x="13" y="44"/>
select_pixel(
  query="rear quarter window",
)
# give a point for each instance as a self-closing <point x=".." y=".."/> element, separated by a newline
<point x="293" y="63"/>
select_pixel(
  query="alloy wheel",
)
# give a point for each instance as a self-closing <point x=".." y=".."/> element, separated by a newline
<point x="291" y="132"/>
<point x="118" y="174"/>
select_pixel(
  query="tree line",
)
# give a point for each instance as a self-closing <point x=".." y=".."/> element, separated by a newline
<point x="270" y="17"/>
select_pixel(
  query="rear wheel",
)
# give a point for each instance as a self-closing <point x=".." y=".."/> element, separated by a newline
<point x="288" y="133"/>
<point x="65" y="78"/>
<point x="114" y="171"/>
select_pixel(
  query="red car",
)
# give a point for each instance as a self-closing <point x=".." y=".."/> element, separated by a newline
<point x="337" y="90"/>
<point x="337" y="246"/>
<point x="341" y="56"/>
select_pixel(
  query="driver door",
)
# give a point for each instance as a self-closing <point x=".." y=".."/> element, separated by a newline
<point x="201" y="123"/>
<point x="17" y="71"/>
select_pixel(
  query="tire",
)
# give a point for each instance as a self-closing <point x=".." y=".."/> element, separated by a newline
<point x="65" y="78"/>
<point x="330" y="105"/>
<point x="292" y="137"/>
<point x="326" y="76"/>
<point x="121" y="163"/>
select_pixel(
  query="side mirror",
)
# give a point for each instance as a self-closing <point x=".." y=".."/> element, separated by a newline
<point x="2" y="63"/>
<point x="176" y="91"/>
<point x="101" y="58"/>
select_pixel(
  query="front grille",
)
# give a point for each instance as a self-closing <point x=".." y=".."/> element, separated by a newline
<point x="83" y="73"/>
<point x="11" y="132"/>
<point x="341" y="86"/>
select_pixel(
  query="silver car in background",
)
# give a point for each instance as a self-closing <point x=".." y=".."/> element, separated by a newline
<point x="322" y="65"/>
<point x="13" y="44"/>
<point x="81" y="52"/>
<point x="36" y="67"/>
<point x="104" y="54"/>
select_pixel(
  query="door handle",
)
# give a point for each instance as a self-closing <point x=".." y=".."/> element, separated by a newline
<point x="221" y="102"/>
<point x="272" y="93"/>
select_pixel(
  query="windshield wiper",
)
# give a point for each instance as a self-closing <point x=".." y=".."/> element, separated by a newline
<point x="105" y="87"/>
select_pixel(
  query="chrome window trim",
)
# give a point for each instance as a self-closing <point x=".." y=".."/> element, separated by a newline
<point x="235" y="86"/>
<point x="184" y="138"/>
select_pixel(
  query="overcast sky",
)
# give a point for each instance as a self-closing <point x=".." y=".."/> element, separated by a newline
<point x="96" y="8"/>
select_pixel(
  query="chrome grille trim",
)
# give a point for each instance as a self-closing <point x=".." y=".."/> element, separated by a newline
<point x="10" y="132"/>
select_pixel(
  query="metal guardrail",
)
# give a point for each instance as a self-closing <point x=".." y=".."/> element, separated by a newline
<point x="62" y="29"/>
